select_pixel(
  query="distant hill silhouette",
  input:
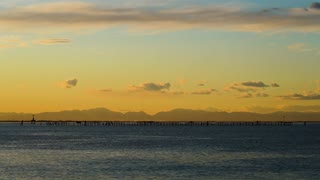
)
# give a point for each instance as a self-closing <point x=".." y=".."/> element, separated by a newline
<point x="133" y="116"/>
<point x="98" y="114"/>
<point x="102" y="114"/>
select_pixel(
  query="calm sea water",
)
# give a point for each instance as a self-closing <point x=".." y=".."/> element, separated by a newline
<point x="98" y="152"/>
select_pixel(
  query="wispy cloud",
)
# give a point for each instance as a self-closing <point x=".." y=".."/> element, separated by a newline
<point x="204" y="92"/>
<point x="150" y="86"/>
<point x="249" y="86"/>
<point x="68" y="15"/>
<point x="7" y="42"/>
<point x="262" y="95"/>
<point x="251" y="95"/>
<point x="297" y="96"/>
<point x="52" y="41"/>
<point x="239" y="88"/>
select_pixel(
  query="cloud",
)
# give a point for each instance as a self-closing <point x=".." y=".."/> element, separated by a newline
<point x="16" y="42"/>
<point x="258" y="95"/>
<point x="70" y="83"/>
<point x="239" y="88"/>
<point x="156" y="87"/>
<point x="77" y="15"/>
<point x="204" y="92"/>
<point x="249" y="86"/>
<point x="258" y="84"/>
<point x="297" y="96"/>
<point x="53" y="41"/>
<point x="7" y="42"/>
<point x="150" y="86"/>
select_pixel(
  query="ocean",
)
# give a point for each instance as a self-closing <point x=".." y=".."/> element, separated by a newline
<point x="159" y="152"/>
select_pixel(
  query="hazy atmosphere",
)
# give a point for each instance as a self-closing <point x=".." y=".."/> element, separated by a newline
<point x="159" y="89"/>
<point x="152" y="56"/>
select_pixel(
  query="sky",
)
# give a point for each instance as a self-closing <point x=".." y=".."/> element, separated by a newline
<point x="147" y="55"/>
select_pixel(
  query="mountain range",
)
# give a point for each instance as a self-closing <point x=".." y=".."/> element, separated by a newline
<point x="103" y="114"/>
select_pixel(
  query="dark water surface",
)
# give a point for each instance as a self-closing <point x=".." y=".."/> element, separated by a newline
<point x="159" y="152"/>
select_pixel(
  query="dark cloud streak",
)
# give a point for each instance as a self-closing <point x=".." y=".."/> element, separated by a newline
<point x="86" y="15"/>
<point x="297" y="96"/>
<point x="258" y="84"/>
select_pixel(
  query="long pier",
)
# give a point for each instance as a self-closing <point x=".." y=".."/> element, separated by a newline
<point x="162" y="123"/>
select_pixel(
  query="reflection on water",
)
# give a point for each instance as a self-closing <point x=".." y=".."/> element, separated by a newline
<point x="73" y="152"/>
